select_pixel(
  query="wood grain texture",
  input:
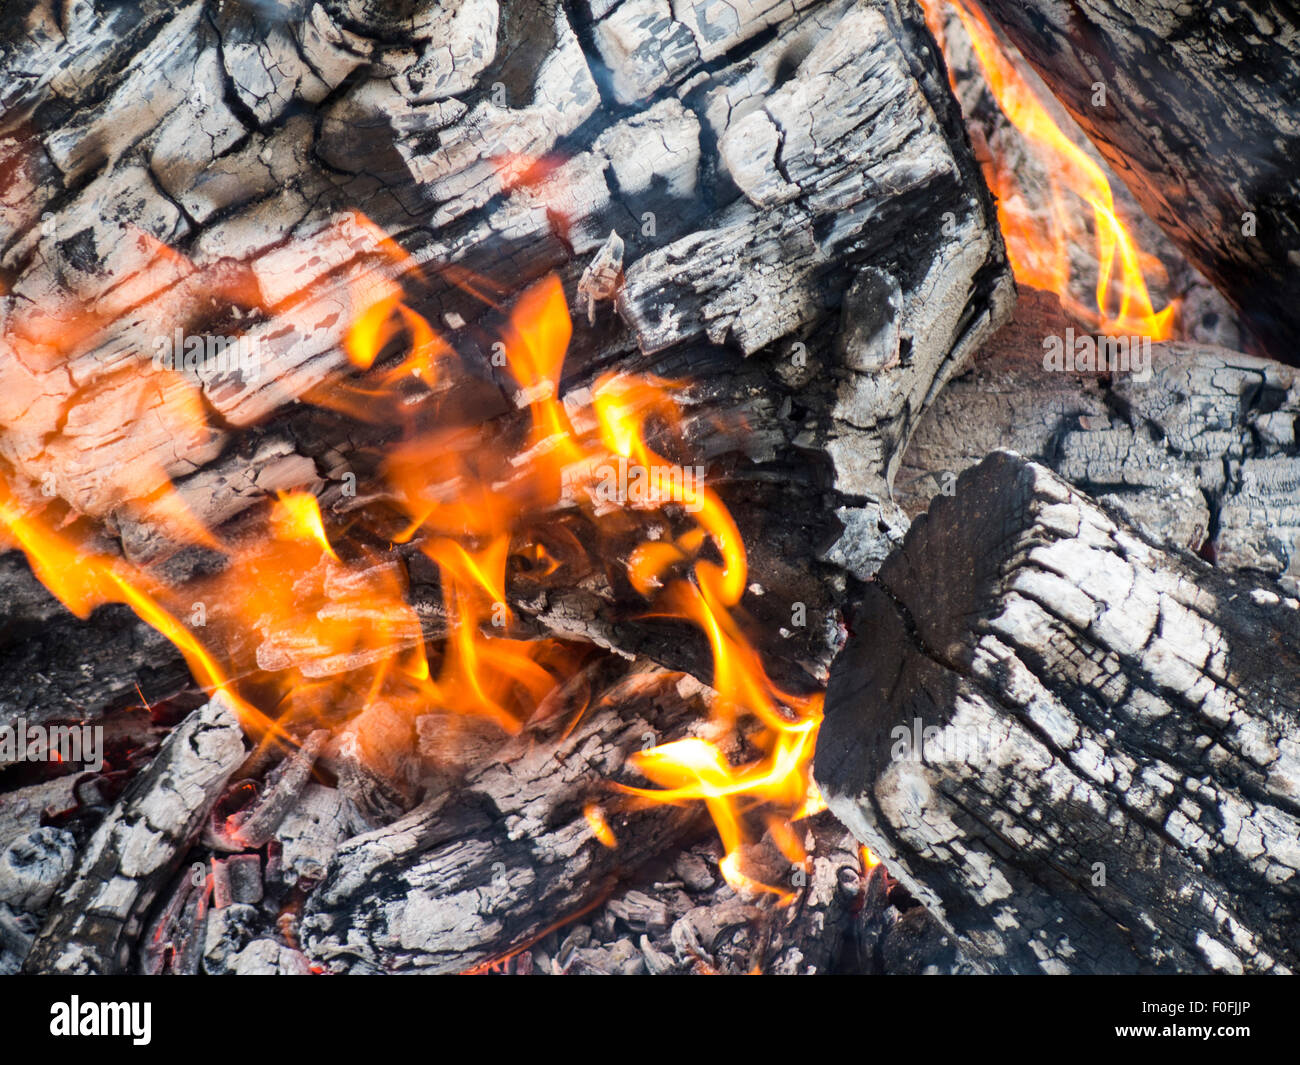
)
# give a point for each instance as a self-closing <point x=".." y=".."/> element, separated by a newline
<point x="1202" y="456"/>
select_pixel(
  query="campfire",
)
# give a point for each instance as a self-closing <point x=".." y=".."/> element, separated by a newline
<point x="636" y="487"/>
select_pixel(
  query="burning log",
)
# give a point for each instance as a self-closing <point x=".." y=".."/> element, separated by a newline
<point x="478" y="871"/>
<point x="1199" y="453"/>
<point x="1193" y="107"/>
<point x="784" y="249"/>
<point x="762" y="209"/>
<point x="137" y="846"/>
<point x="1079" y="750"/>
<point x="1070" y="225"/>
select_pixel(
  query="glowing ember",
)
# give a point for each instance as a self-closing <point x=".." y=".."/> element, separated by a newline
<point x="1040" y="255"/>
<point x="304" y="628"/>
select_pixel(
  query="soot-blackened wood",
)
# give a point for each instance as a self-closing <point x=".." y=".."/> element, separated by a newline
<point x="97" y="916"/>
<point x="1079" y="750"/>
<point x="1201" y="454"/>
<point x="1200" y="120"/>
<point x="806" y="237"/>
<point x="57" y="668"/>
<point x="680" y="916"/>
<point x="486" y="867"/>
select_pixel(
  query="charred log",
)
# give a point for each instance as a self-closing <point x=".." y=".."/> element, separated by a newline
<point x="137" y="846"/>
<point x="1078" y="749"/>
<point x="776" y="181"/>
<point x="1200" y="453"/>
<point x="479" y="871"/>
<point x="56" y="667"/>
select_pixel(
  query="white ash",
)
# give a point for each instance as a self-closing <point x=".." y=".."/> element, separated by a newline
<point x="229" y="930"/>
<point x="312" y="831"/>
<point x="267" y="957"/>
<point x="33" y="866"/>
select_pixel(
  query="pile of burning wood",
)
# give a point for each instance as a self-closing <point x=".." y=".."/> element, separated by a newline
<point x="525" y="486"/>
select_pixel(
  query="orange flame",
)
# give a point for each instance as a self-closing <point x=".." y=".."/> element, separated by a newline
<point x="82" y="580"/>
<point x="314" y="634"/>
<point x="297" y="516"/>
<point x="599" y="825"/>
<point x="1040" y="256"/>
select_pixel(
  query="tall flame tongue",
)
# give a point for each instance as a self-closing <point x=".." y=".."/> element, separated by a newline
<point x="1040" y="255"/>
<point x="313" y="633"/>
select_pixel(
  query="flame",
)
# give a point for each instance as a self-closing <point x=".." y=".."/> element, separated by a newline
<point x="1040" y="256"/>
<point x="297" y="516"/>
<point x="599" y="825"/>
<point x="83" y="580"/>
<point x="372" y="330"/>
<point x="298" y="631"/>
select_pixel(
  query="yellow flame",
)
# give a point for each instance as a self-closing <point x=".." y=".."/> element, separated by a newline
<point x="599" y="826"/>
<point x="1041" y="258"/>
<point x="297" y="516"/>
<point x="83" y="580"/>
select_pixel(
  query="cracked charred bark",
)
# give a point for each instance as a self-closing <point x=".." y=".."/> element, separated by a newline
<point x="480" y="870"/>
<point x="56" y="667"/>
<point x="1079" y="750"/>
<point x="98" y="918"/>
<point x="1203" y="455"/>
<point x="781" y="178"/>
<point x="1200" y="120"/>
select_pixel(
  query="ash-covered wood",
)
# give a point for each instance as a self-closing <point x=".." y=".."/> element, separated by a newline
<point x="1202" y="455"/>
<point x="681" y="917"/>
<point x="1079" y="750"/>
<point x="277" y="795"/>
<point x="311" y="833"/>
<point x="33" y="865"/>
<point x="21" y="809"/>
<point x="136" y="847"/>
<point x="760" y="172"/>
<point x="1194" y="107"/>
<point x="482" y="869"/>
